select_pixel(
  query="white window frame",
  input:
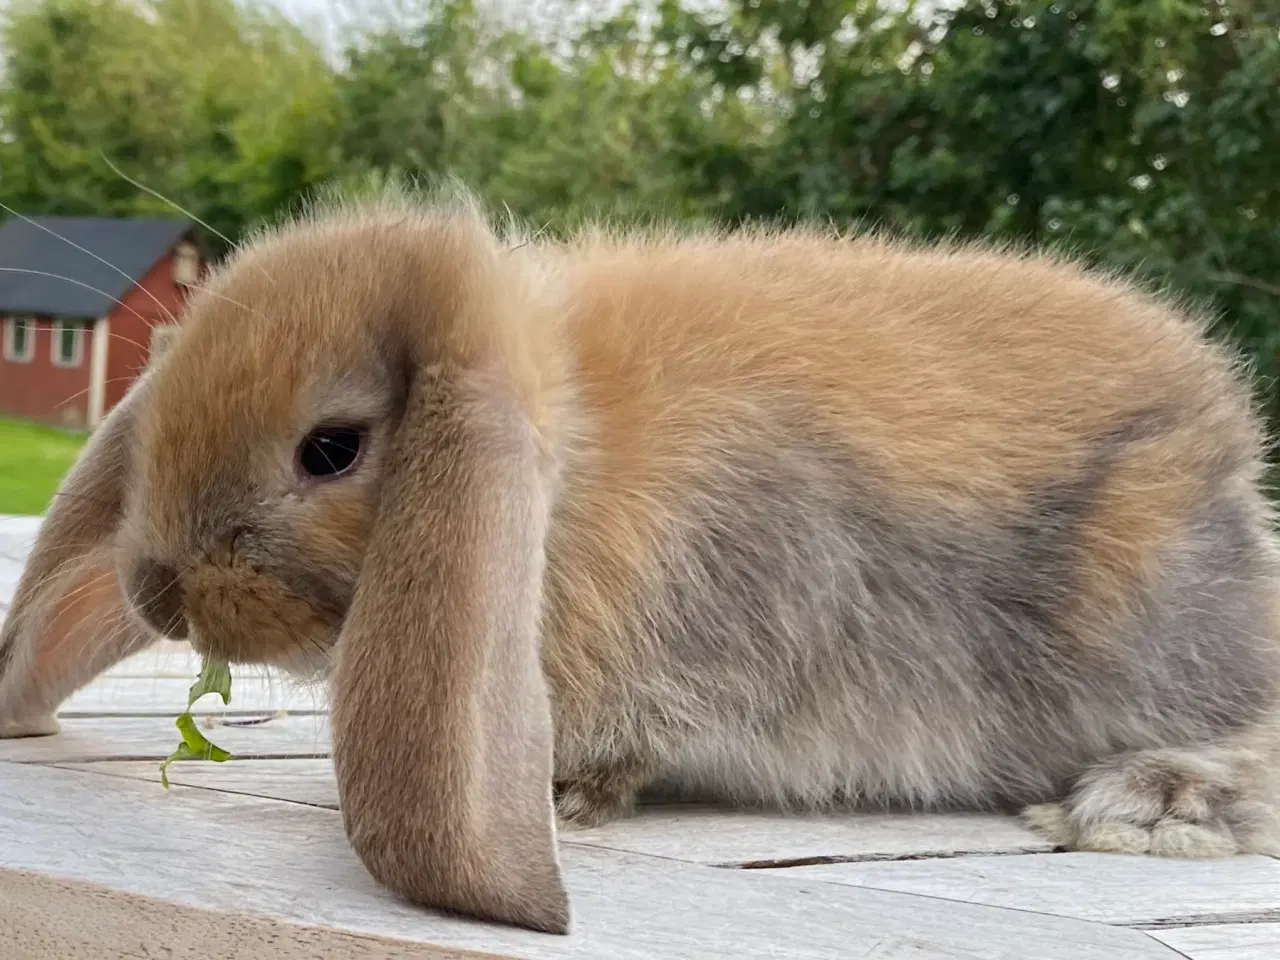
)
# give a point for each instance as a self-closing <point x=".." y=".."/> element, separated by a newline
<point x="159" y="340"/>
<point x="55" y="344"/>
<point x="186" y="265"/>
<point x="10" y="326"/>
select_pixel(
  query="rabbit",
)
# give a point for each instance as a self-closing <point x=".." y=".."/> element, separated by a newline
<point x="775" y="517"/>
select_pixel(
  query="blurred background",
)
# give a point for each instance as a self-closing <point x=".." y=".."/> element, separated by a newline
<point x="1143" y="134"/>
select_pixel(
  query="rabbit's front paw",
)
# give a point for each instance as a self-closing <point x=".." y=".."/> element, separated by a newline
<point x="595" y="797"/>
<point x="591" y="802"/>
<point x="35" y="725"/>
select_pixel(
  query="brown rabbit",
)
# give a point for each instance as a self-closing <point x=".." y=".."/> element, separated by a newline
<point x="779" y="518"/>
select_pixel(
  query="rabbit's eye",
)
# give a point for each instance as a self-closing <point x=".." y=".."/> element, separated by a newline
<point x="329" y="452"/>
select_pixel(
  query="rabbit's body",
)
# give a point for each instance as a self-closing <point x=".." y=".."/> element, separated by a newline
<point x="776" y="518"/>
<point x="845" y="521"/>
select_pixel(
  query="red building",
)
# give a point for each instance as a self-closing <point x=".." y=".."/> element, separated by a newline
<point x="85" y="302"/>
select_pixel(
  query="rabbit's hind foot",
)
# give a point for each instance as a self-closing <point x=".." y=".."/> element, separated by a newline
<point x="1206" y="803"/>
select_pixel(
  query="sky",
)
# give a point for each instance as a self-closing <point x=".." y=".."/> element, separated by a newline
<point x="327" y="16"/>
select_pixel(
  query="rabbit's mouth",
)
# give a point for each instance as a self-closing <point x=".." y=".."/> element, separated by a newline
<point x="253" y="617"/>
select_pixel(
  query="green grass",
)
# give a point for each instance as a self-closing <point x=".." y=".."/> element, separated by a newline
<point x="32" y="461"/>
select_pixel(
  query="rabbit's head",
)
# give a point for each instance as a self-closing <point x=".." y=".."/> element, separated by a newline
<point x="346" y="459"/>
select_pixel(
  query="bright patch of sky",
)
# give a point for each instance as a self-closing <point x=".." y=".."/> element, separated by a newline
<point x="330" y="20"/>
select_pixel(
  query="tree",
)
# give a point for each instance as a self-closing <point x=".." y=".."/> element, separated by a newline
<point x="226" y="109"/>
<point x="608" y="122"/>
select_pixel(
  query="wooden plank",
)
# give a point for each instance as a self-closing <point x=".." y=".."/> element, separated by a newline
<point x="245" y="855"/>
<point x="761" y="839"/>
<point x="44" y="918"/>
<point x="297" y="780"/>
<point x="153" y="738"/>
<point x="17" y="534"/>
<point x="176" y="659"/>
<point x="165" y="658"/>
<point x="677" y="832"/>
<point x="167" y="697"/>
<point x="1111" y="888"/>
<point x="1225" y="941"/>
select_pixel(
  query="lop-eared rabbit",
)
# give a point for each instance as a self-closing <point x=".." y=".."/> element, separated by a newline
<point x="772" y="517"/>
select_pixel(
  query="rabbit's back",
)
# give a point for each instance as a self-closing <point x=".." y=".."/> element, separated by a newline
<point x="851" y="519"/>
<point x="961" y="371"/>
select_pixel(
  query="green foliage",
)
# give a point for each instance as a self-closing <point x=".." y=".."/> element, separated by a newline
<point x="228" y="109"/>
<point x="215" y="677"/>
<point x="1139" y="133"/>
<point x="615" y="126"/>
<point x="412" y="100"/>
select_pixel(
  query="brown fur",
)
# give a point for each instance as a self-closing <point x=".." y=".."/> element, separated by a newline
<point x="69" y="620"/>
<point x="778" y="517"/>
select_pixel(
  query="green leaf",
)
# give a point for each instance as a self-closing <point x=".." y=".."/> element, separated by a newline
<point x="215" y="677"/>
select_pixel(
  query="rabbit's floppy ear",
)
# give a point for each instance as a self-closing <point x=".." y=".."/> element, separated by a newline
<point x="69" y="621"/>
<point x="441" y="717"/>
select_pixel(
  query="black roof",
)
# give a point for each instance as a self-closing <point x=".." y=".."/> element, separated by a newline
<point x="131" y="245"/>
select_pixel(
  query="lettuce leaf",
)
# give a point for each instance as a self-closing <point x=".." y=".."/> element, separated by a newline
<point x="215" y="677"/>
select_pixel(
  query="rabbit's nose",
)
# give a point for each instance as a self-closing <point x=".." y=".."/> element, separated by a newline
<point x="156" y="594"/>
